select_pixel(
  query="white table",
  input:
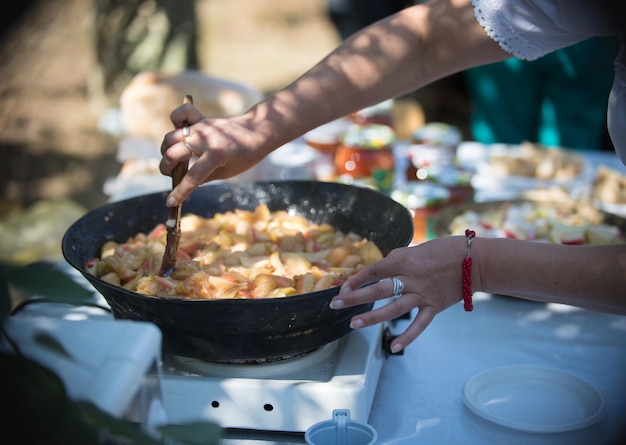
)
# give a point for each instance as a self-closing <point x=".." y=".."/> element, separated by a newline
<point x="419" y="397"/>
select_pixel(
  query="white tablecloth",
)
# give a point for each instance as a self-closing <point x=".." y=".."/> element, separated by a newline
<point x="419" y="396"/>
<point x="418" y="399"/>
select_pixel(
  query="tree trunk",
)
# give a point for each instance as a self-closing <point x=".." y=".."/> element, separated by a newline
<point x="132" y="36"/>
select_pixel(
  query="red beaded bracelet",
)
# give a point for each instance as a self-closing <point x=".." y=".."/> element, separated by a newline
<point x="467" y="273"/>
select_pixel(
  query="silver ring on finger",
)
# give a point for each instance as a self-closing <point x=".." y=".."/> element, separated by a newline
<point x="398" y="287"/>
<point x="190" y="148"/>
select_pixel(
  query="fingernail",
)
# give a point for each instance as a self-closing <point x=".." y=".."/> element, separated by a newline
<point x="356" y="324"/>
<point x="345" y="289"/>
<point x="171" y="202"/>
<point x="396" y="348"/>
<point x="337" y="304"/>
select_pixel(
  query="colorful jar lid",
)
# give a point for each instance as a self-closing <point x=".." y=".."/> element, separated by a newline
<point x="370" y="136"/>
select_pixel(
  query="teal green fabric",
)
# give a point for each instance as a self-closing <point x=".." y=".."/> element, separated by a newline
<point x="557" y="100"/>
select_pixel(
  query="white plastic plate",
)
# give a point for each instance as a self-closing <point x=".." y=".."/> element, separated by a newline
<point x="533" y="399"/>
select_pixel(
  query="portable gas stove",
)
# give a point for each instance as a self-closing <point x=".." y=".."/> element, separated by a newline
<point x="119" y="357"/>
<point x="288" y="395"/>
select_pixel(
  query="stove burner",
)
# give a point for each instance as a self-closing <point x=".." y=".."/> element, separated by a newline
<point x="261" y="361"/>
<point x="250" y="368"/>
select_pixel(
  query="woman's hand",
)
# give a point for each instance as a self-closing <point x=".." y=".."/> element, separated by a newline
<point x="432" y="278"/>
<point x="221" y="148"/>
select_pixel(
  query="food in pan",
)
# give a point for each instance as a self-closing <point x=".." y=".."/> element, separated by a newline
<point x="533" y="221"/>
<point x="237" y="254"/>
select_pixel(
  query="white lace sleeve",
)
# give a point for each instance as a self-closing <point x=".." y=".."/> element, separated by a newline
<point x="529" y="29"/>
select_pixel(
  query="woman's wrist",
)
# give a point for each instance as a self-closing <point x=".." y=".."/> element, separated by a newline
<point x="466" y="271"/>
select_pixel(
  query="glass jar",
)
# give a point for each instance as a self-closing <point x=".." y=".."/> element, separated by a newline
<point x="432" y="147"/>
<point x="365" y="154"/>
<point x="457" y="180"/>
<point x="423" y="200"/>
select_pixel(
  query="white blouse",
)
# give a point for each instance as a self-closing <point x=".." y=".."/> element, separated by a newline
<point x="529" y="29"/>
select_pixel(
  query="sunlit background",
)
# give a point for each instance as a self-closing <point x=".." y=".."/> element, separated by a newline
<point x="58" y="141"/>
<point x="51" y="105"/>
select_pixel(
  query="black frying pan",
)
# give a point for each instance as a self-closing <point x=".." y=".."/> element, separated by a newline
<point x="241" y="330"/>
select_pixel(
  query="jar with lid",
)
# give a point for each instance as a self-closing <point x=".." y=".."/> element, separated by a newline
<point x="423" y="200"/>
<point x="457" y="180"/>
<point x="432" y="146"/>
<point x="365" y="156"/>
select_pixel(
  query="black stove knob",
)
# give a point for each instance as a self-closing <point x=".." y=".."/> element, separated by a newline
<point x="388" y="337"/>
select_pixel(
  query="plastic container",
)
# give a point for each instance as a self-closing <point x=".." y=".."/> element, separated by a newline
<point x="340" y="430"/>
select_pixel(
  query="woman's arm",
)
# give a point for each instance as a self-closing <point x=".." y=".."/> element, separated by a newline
<point x="592" y="277"/>
<point x="397" y="55"/>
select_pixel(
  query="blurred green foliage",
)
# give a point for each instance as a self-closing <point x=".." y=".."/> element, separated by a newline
<point x="37" y="408"/>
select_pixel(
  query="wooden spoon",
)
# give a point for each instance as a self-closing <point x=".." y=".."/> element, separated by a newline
<point x="173" y="221"/>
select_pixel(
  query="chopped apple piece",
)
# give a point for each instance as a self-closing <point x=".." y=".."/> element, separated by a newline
<point x="295" y="263"/>
<point x="370" y="253"/>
